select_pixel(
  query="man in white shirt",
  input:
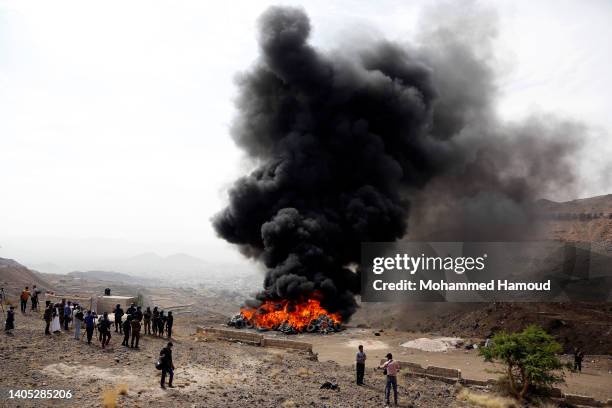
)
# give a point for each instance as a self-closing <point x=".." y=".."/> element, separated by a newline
<point x="391" y="368"/>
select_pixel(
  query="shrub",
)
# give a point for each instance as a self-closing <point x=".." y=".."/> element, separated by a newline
<point x="530" y="358"/>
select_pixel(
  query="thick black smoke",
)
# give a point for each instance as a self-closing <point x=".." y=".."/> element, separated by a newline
<point x="345" y="142"/>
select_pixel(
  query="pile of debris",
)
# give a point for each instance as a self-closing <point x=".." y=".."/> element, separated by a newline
<point x="240" y="322"/>
<point x="322" y="324"/>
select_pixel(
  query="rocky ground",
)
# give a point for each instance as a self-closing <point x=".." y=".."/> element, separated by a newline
<point x="208" y="374"/>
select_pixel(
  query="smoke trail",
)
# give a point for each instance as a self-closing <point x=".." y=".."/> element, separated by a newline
<point x="345" y="142"/>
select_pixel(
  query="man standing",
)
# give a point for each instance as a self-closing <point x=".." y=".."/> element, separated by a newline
<point x="78" y="321"/>
<point x="105" y="328"/>
<point x="147" y="321"/>
<point x="391" y="367"/>
<point x="118" y="315"/>
<point x="90" y="323"/>
<point x="169" y="323"/>
<point x="161" y="323"/>
<point x="126" y="331"/>
<point x="155" y="320"/>
<point x="35" y="293"/>
<point x="360" y="365"/>
<point x="132" y="309"/>
<point x="67" y="315"/>
<point x="25" y="294"/>
<point x="60" y="311"/>
<point x="10" y="322"/>
<point x="135" y="331"/>
<point x="48" y="316"/>
<point x="578" y="357"/>
<point x="167" y="367"/>
<point x="138" y="314"/>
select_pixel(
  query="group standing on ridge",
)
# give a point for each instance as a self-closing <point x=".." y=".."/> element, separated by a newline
<point x="64" y="315"/>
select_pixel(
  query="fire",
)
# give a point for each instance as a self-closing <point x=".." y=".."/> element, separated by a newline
<point x="298" y="315"/>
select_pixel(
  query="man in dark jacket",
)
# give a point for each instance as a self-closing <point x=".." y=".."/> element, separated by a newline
<point x="360" y="360"/>
<point x="104" y="325"/>
<point x="167" y="367"/>
<point x="132" y="309"/>
<point x="161" y="324"/>
<point x="147" y="321"/>
<point x="34" y="298"/>
<point x="578" y="357"/>
<point x="138" y="314"/>
<point x="10" y="325"/>
<point x="118" y="315"/>
<point x="90" y="324"/>
<point x="48" y="316"/>
<point x="155" y="320"/>
<point x="135" y="331"/>
<point x="169" y="323"/>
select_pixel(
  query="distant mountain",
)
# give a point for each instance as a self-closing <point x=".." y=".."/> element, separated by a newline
<point x="106" y="276"/>
<point x="154" y="265"/>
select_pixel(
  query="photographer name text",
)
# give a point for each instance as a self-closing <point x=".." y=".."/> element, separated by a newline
<point x="493" y="285"/>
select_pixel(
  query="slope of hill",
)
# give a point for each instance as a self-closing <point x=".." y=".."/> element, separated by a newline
<point x="14" y="277"/>
<point x="588" y="325"/>
<point x="587" y="219"/>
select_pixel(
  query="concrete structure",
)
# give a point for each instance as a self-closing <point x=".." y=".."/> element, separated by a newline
<point x="108" y="303"/>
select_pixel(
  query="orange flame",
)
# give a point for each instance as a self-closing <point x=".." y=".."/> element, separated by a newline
<point x="272" y="314"/>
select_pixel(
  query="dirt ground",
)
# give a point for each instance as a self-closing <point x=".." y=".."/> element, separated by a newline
<point x="222" y="374"/>
<point x="595" y="378"/>
<point x="208" y="374"/>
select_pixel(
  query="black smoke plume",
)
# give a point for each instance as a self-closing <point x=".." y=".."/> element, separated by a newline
<point x="346" y="141"/>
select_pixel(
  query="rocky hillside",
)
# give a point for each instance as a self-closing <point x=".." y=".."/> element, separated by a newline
<point x="14" y="277"/>
<point x="590" y="325"/>
<point x="588" y="219"/>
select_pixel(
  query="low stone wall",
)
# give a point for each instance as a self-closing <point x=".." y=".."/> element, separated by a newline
<point x="444" y="372"/>
<point x="582" y="400"/>
<point x="429" y="371"/>
<point x="288" y="344"/>
<point x="233" y="335"/>
<point x="254" y="338"/>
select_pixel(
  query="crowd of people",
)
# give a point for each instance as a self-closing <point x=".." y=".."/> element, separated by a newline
<point x="67" y="315"/>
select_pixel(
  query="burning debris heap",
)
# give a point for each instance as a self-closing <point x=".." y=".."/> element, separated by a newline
<point x="288" y="317"/>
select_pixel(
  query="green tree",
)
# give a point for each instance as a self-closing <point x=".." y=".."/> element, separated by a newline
<point x="530" y="357"/>
<point x="139" y="299"/>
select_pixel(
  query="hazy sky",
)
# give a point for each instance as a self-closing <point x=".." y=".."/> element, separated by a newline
<point x="114" y="115"/>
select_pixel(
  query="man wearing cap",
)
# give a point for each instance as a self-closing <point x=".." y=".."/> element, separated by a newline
<point x="391" y="368"/>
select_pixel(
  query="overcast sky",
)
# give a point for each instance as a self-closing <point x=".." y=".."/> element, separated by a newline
<point x="114" y="115"/>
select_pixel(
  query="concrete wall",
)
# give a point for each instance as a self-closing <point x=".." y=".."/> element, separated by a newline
<point x="254" y="338"/>
<point x="414" y="368"/>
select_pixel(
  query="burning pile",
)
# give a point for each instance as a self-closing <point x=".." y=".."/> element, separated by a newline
<point x="288" y="317"/>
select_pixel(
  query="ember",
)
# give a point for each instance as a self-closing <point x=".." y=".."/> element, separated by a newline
<point x="289" y="317"/>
